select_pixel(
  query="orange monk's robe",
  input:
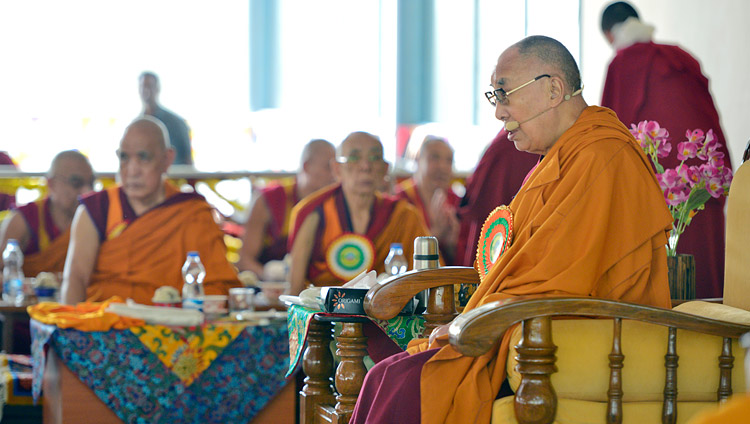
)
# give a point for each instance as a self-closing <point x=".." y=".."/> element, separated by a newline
<point x="736" y="411"/>
<point x="139" y="254"/>
<point x="48" y="245"/>
<point x="391" y="221"/>
<point x="590" y="221"/>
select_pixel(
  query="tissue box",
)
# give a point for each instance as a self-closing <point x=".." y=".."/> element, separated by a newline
<point x="341" y="300"/>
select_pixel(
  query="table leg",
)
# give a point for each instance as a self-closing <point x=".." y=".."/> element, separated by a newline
<point x="351" y="347"/>
<point x="317" y="363"/>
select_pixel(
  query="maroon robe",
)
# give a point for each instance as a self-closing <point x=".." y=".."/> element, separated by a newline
<point x="656" y="82"/>
<point x="495" y="182"/>
<point x="280" y="198"/>
<point x="7" y="201"/>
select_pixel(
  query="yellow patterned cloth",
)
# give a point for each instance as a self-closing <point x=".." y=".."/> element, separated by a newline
<point x="188" y="351"/>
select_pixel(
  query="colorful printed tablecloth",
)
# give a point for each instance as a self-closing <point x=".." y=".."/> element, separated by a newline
<point x="401" y="330"/>
<point x="216" y="373"/>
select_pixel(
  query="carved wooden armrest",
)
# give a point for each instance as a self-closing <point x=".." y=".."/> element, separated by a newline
<point x="387" y="299"/>
<point x="473" y="333"/>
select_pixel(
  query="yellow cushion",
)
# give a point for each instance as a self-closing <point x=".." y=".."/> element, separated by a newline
<point x="715" y="311"/>
<point x="571" y="411"/>
<point x="583" y="365"/>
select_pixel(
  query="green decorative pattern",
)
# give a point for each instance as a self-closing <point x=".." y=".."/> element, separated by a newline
<point x="401" y="329"/>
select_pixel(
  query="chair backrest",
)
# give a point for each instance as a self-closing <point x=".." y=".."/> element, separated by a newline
<point x="737" y="261"/>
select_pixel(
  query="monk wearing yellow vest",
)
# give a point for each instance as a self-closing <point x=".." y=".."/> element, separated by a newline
<point x="134" y="237"/>
<point x="347" y="228"/>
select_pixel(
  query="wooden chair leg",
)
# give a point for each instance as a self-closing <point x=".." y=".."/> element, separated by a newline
<point x="535" y="400"/>
<point x="317" y="363"/>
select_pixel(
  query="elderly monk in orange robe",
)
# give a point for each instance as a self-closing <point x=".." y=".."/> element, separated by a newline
<point x="348" y="228"/>
<point x="133" y="238"/>
<point x="42" y="228"/>
<point x="589" y="221"/>
<point x="429" y="190"/>
<point x="267" y="227"/>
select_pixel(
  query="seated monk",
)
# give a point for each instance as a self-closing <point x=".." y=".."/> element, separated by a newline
<point x="589" y="221"/>
<point x="7" y="201"/>
<point x="267" y="226"/>
<point x="134" y="237"/>
<point x="42" y="228"/>
<point x="348" y="228"/>
<point x="429" y="190"/>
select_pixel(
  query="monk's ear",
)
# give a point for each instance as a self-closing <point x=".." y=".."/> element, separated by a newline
<point x="171" y="153"/>
<point x="556" y="91"/>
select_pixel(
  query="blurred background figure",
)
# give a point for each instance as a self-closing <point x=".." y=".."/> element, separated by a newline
<point x="495" y="182"/>
<point x="42" y="228"/>
<point x="430" y="191"/>
<point x="7" y="200"/>
<point x="267" y="226"/>
<point x="179" y="133"/>
<point x="659" y="82"/>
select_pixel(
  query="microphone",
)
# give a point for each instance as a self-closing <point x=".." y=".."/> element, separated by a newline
<point x="514" y="125"/>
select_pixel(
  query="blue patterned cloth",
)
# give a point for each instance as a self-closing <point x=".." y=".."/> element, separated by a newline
<point x="139" y="388"/>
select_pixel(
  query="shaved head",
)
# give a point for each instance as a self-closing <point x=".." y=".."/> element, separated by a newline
<point x="554" y="54"/>
<point x="315" y="147"/>
<point x="432" y="140"/>
<point x="357" y="137"/>
<point x="153" y="128"/>
<point x="69" y="176"/>
<point x="69" y="159"/>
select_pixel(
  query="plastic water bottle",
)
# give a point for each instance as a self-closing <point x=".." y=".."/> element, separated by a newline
<point x="395" y="262"/>
<point x="13" y="273"/>
<point x="193" y="273"/>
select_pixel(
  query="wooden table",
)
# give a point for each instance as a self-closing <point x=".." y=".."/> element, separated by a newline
<point x="10" y="315"/>
<point x="101" y="376"/>
<point x="68" y="400"/>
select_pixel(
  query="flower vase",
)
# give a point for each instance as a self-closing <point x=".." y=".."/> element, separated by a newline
<point x="681" y="270"/>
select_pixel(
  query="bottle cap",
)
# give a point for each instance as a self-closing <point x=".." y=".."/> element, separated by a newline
<point x="193" y="254"/>
<point x="396" y="246"/>
<point x="426" y="253"/>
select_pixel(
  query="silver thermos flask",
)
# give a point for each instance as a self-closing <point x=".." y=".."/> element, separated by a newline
<point x="426" y="256"/>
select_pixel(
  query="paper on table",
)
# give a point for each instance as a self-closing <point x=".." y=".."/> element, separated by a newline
<point x="365" y="280"/>
<point x="158" y="314"/>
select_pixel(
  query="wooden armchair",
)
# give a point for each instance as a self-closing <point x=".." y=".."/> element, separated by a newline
<point x="619" y="387"/>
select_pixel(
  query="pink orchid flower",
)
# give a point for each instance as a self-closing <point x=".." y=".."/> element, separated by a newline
<point x="687" y="149"/>
<point x="676" y="195"/>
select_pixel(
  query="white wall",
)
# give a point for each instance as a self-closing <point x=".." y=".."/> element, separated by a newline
<point x="715" y="32"/>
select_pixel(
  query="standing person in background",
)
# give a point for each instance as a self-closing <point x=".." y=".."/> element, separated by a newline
<point x="659" y="82"/>
<point x="42" y="228"/>
<point x="495" y="182"/>
<point x="178" y="131"/>
<point x="267" y="227"/>
<point x="429" y="190"/>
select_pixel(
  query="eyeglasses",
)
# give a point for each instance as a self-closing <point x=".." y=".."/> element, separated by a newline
<point x="355" y="159"/>
<point x="501" y="96"/>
